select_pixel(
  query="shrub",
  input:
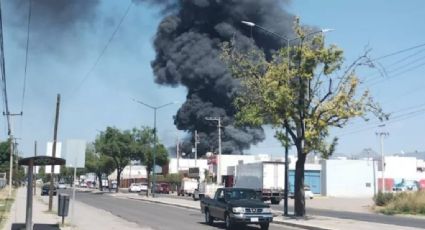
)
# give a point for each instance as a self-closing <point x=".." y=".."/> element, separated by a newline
<point x="406" y="203"/>
<point x="382" y="199"/>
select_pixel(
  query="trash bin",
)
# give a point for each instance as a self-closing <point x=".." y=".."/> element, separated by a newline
<point x="63" y="205"/>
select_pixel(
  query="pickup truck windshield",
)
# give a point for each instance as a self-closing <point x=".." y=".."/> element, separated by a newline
<point x="241" y="195"/>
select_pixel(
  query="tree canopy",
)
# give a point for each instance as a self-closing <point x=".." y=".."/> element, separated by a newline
<point x="115" y="144"/>
<point x="303" y="90"/>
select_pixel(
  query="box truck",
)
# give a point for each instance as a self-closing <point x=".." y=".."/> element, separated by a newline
<point x="267" y="178"/>
<point x="187" y="187"/>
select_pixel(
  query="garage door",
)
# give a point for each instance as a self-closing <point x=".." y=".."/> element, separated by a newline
<point x="311" y="178"/>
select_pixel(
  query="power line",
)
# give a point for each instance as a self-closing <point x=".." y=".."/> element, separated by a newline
<point x="398" y="52"/>
<point x="398" y="118"/>
<point x="394" y="66"/>
<point x="3" y="76"/>
<point x="26" y="56"/>
<point x="87" y="75"/>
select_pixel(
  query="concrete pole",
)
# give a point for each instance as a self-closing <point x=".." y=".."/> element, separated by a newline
<point x="55" y="135"/>
<point x="28" y="219"/>
<point x="382" y="135"/>
<point x="10" y="164"/>
<point x="196" y="148"/>
<point x="154" y="154"/>
<point x="382" y="163"/>
<point x="219" y="152"/>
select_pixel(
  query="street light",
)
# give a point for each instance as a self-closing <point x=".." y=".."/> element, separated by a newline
<point x="288" y="41"/>
<point x="155" y="108"/>
<point x="218" y="119"/>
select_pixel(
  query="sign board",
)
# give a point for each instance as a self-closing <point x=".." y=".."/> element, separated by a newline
<point x="193" y="172"/>
<point x="75" y="153"/>
<point x="49" y="149"/>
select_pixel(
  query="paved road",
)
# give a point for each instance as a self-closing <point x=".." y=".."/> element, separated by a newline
<point x="418" y="222"/>
<point x="156" y="216"/>
<point x="368" y="217"/>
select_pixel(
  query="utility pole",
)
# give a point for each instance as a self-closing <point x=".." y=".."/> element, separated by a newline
<point x="178" y="154"/>
<point x="285" y="192"/>
<point x="11" y="147"/>
<point x="35" y="168"/>
<point x="55" y="135"/>
<point x="196" y="147"/>
<point x="382" y="135"/>
<point x="218" y="119"/>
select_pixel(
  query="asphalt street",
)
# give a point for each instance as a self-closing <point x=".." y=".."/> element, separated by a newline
<point x="156" y="216"/>
<point x="367" y="217"/>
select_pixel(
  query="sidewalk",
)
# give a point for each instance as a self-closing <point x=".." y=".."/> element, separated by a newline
<point x="86" y="217"/>
<point x="311" y="222"/>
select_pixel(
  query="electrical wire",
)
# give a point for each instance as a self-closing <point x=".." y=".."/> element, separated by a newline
<point x="26" y="56"/>
<point x="398" y="52"/>
<point x="87" y="75"/>
<point x="3" y="76"/>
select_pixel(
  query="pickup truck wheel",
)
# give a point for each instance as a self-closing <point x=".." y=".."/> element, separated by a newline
<point x="228" y="221"/>
<point x="208" y="218"/>
<point x="265" y="226"/>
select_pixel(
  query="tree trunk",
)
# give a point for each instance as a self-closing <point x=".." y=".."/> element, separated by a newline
<point x="99" y="175"/>
<point x="118" y="179"/>
<point x="299" y="183"/>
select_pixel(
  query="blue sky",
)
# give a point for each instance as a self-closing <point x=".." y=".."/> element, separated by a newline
<point x="124" y="72"/>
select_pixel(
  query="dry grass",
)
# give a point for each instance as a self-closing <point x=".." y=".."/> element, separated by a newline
<point x="406" y="203"/>
<point x="5" y="204"/>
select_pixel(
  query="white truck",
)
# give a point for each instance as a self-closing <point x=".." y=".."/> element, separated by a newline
<point x="187" y="187"/>
<point x="205" y="190"/>
<point x="267" y="178"/>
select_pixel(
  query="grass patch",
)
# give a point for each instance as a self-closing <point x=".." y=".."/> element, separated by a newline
<point x="401" y="203"/>
<point x="6" y="203"/>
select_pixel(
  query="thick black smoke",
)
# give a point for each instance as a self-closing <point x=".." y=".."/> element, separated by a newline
<point x="54" y="23"/>
<point x="187" y="47"/>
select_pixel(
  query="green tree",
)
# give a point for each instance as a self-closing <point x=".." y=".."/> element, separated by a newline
<point x="98" y="163"/>
<point x="143" y="148"/>
<point x="302" y="90"/>
<point x="4" y="156"/>
<point x="117" y="145"/>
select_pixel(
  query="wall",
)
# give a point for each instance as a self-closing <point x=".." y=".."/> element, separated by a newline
<point x="397" y="167"/>
<point x="348" y="178"/>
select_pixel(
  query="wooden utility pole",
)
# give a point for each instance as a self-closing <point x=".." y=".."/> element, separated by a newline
<point x="55" y="135"/>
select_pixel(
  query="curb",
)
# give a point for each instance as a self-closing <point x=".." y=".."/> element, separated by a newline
<point x="278" y="222"/>
<point x="165" y="203"/>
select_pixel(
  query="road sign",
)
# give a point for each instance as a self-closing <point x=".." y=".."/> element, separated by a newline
<point x="57" y="154"/>
<point x="75" y="153"/>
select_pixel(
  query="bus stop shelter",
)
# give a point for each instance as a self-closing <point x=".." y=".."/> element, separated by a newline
<point x="31" y="162"/>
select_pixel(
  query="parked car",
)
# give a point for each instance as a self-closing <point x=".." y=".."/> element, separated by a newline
<point x="46" y="188"/>
<point x="308" y="194"/>
<point x="61" y="185"/>
<point x="237" y="206"/>
<point x="406" y="185"/>
<point x="162" y="188"/>
<point x="83" y="184"/>
<point x="137" y="187"/>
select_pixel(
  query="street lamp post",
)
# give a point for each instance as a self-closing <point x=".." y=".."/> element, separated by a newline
<point x="218" y="119"/>
<point x="155" y="108"/>
<point x="288" y="41"/>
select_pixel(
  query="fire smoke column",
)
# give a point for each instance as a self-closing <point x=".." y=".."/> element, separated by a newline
<point x="187" y="45"/>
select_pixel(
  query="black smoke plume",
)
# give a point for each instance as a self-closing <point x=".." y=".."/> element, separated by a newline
<point x="187" y="45"/>
<point x="54" y="23"/>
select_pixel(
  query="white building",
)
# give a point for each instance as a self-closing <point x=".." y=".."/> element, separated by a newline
<point x="348" y="178"/>
<point x="130" y="172"/>
<point x="398" y="167"/>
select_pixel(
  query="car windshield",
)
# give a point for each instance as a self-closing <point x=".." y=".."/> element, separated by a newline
<point x="241" y="195"/>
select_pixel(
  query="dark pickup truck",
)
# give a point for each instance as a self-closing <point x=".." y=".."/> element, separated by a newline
<point x="237" y="206"/>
